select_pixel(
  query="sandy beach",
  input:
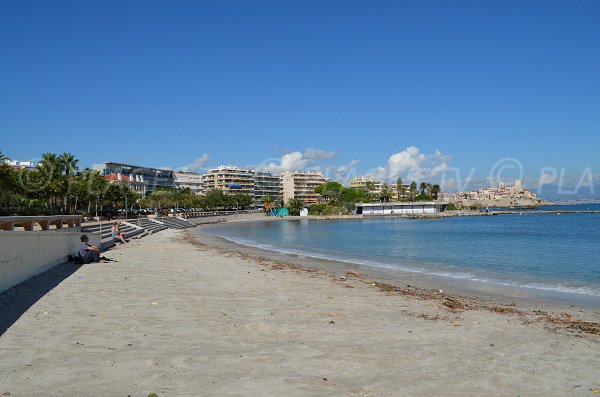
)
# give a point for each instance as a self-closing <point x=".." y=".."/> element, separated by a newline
<point x="180" y="316"/>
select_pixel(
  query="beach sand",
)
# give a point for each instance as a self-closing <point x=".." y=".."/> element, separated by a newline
<point x="178" y="316"/>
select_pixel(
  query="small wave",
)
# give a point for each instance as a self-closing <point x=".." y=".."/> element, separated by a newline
<point x="552" y="287"/>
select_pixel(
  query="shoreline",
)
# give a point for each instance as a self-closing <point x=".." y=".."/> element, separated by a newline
<point x="417" y="285"/>
<point x="532" y="297"/>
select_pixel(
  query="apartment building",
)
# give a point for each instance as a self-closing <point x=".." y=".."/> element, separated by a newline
<point x="366" y="182"/>
<point x="135" y="182"/>
<point x="230" y="179"/>
<point x="189" y="180"/>
<point x="152" y="178"/>
<point x="265" y="184"/>
<point x="301" y="185"/>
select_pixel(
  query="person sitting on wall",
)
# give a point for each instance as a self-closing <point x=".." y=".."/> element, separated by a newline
<point x="88" y="253"/>
<point x="117" y="234"/>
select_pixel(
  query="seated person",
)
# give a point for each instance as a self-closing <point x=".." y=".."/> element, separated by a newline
<point x="117" y="234"/>
<point x="88" y="253"/>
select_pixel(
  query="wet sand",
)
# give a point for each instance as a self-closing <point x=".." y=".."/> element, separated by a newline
<point x="182" y="316"/>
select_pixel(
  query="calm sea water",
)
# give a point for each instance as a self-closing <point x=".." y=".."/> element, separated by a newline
<point x="534" y="251"/>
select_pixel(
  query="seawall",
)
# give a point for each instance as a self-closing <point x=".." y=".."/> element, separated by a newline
<point x="25" y="254"/>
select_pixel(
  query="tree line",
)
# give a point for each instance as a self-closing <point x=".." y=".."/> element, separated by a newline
<point x="57" y="186"/>
<point x="340" y="200"/>
<point x="184" y="198"/>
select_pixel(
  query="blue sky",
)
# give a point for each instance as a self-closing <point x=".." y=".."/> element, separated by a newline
<point x="208" y="83"/>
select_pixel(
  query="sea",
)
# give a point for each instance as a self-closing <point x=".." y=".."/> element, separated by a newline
<point x="534" y="252"/>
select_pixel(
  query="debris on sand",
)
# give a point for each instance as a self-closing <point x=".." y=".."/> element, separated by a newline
<point x="454" y="304"/>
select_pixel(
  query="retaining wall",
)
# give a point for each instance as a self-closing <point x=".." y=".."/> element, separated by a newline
<point x="27" y="254"/>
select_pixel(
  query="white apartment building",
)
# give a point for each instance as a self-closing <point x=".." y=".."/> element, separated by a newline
<point x="189" y="180"/>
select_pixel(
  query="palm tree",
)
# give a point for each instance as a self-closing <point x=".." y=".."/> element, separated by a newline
<point x="49" y="163"/>
<point x="386" y="193"/>
<point x="399" y="187"/>
<point x="68" y="163"/>
<point x="50" y="188"/>
<point x="413" y="190"/>
<point x="370" y="185"/>
<point x="268" y="203"/>
<point x="423" y="187"/>
<point x="295" y="205"/>
<point x="7" y="184"/>
<point x="435" y="191"/>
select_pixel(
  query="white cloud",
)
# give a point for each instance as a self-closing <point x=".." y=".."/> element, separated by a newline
<point x="293" y="161"/>
<point x="342" y="169"/>
<point x="196" y="165"/>
<point x="318" y="154"/>
<point x="296" y="161"/>
<point x="345" y="173"/>
<point x="412" y="165"/>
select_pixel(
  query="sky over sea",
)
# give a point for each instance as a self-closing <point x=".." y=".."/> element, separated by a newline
<point x="459" y="91"/>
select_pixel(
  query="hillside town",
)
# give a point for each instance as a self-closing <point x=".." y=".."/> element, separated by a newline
<point x="502" y="196"/>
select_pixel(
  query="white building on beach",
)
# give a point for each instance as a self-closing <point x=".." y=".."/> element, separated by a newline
<point x="398" y="208"/>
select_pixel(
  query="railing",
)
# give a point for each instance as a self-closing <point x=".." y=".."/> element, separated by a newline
<point x="198" y="214"/>
<point x="28" y="222"/>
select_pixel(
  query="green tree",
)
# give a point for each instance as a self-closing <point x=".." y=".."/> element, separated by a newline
<point x="268" y="203"/>
<point x="67" y="164"/>
<point x="162" y="198"/>
<point x="184" y="198"/>
<point x="399" y="189"/>
<point x="294" y="206"/>
<point x="413" y="190"/>
<point x="331" y="192"/>
<point x="423" y="187"/>
<point x="7" y="186"/>
<point x="53" y="187"/>
<point x="354" y="195"/>
<point x="241" y="200"/>
<point x="215" y="199"/>
<point x="435" y="191"/>
<point x="90" y="188"/>
<point x="386" y="193"/>
<point x="317" y="209"/>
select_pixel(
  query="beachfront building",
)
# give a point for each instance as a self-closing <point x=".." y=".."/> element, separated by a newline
<point x="189" y="180"/>
<point x="398" y="208"/>
<point x="134" y="182"/>
<point x="265" y="184"/>
<point x="152" y="178"/>
<point x="366" y="182"/>
<point x="30" y="165"/>
<point x="301" y="185"/>
<point x="230" y="179"/>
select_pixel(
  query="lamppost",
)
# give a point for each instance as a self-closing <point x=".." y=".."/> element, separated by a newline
<point x="137" y="216"/>
<point x="98" y="199"/>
